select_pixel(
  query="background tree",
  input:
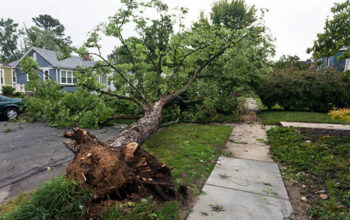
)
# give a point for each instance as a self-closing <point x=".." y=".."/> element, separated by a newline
<point x="47" y="22"/>
<point x="288" y="61"/>
<point x="9" y="41"/>
<point x="234" y="14"/>
<point x="336" y="33"/>
<point x="48" y="34"/>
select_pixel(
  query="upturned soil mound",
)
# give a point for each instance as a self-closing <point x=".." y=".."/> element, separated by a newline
<point x="117" y="173"/>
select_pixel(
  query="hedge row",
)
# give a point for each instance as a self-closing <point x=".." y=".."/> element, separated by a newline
<point x="305" y="90"/>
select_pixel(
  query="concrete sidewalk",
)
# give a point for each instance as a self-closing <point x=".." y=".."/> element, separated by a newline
<point x="248" y="186"/>
<point x="316" y="125"/>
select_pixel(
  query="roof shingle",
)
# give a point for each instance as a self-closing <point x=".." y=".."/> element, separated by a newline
<point x="51" y="56"/>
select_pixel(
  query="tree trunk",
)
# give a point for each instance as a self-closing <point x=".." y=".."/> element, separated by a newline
<point x="141" y="130"/>
<point x="120" y="168"/>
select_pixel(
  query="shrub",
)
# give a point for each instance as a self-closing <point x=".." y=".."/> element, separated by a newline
<point x="341" y="114"/>
<point x="305" y="90"/>
<point x="8" y="90"/>
<point x="19" y="94"/>
<point x="60" y="198"/>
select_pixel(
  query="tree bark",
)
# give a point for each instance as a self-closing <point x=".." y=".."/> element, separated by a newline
<point x="142" y="129"/>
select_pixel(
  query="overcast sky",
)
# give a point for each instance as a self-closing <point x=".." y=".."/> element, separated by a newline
<point x="293" y="23"/>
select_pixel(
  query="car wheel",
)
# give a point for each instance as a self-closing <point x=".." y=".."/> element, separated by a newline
<point x="11" y="113"/>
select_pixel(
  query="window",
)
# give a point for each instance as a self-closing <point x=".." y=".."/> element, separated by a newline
<point x="34" y="56"/>
<point x="103" y="78"/>
<point x="328" y="61"/>
<point x="14" y="77"/>
<point x="46" y="74"/>
<point x="2" y="77"/>
<point x="67" y="77"/>
<point x="347" y="65"/>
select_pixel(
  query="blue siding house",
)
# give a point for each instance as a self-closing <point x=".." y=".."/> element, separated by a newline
<point x="333" y="62"/>
<point x="61" y="71"/>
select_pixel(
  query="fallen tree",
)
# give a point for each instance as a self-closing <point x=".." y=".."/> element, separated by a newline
<point x="150" y="71"/>
<point x="120" y="168"/>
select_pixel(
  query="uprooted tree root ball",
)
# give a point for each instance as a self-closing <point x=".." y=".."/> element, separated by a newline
<point x="117" y="173"/>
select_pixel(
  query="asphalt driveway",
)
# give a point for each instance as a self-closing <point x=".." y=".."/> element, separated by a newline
<point x="32" y="153"/>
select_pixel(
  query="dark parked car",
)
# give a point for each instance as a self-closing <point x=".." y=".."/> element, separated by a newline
<point x="10" y="107"/>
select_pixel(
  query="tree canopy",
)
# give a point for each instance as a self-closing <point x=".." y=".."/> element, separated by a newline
<point x="47" y="33"/>
<point x="288" y="61"/>
<point x="160" y="60"/>
<point x="206" y="65"/>
<point x="47" y="22"/>
<point x="9" y="40"/>
<point x="233" y="14"/>
<point x="336" y="33"/>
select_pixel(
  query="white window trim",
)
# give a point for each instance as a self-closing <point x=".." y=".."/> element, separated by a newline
<point x="66" y="78"/>
<point x="14" y="76"/>
<point x="328" y="61"/>
<point x="34" y="56"/>
<point x="347" y="65"/>
<point x="43" y="72"/>
<point x="100" y="78"/>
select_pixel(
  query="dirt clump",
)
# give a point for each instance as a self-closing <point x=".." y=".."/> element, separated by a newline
<point x="127" y="172"/>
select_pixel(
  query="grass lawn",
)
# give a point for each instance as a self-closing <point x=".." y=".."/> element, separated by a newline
<point x="274" y="117"/>
<point x="320" y="165"/>
<point x="14" y="203"/>
<point x="191" y="150"/>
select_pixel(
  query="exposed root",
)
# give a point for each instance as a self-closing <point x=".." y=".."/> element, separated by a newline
<point x="120" y="173"/>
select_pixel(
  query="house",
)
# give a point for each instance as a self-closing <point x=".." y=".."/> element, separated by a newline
<point x="333" y="62"/>
<point x="6" y="75"/>
<point x="51" y="67"/>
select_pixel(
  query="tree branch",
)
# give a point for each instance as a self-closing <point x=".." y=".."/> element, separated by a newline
<point x="176" y="69"/>
<point x="142" y="106"/>
<point x="172" y="96"/>
<point x="190" y="53"/>
<point x="122" y="75"/>
<point x="119" y="117"/>
<point x="126" y="14"/>
<point x="152" y="61"/>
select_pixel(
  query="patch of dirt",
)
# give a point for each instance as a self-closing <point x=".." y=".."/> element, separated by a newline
<point x="325" y="132"/>
<point x="294" y="192"/>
